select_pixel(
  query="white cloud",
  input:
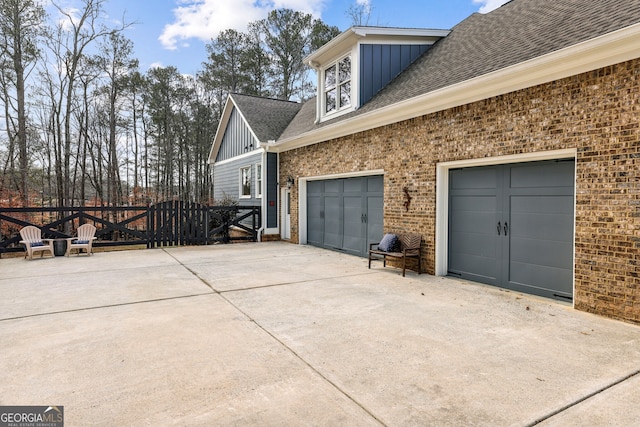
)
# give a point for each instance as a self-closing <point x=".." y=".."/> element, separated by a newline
<point x="68" y="17"/>
<point x="489" y="5"/>
<point x="205" y="19"/>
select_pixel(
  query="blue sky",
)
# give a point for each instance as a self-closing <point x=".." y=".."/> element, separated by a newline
<point x="174" y="32"/>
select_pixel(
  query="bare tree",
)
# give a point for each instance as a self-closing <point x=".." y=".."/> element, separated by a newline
<point x="79" y="30"/>
<point x="20" y="31"/>
<point x="115" y="60"/>
<point x="359" y="12"/>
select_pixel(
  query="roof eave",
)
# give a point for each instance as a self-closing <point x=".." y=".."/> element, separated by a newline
<point x="609" y="49"/>
<point x="222" y="124"/>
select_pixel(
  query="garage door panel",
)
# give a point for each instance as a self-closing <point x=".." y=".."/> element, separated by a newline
<point x="543" y="175"/>
<point x="475" y="203"/>
<point x="534" y="253"/>
<point x="473" y="178"/>
<point x="345" y="214"/>
<point x="353" y="238"/>
<point x="543" y="218"/>
<point x="332" y="222"/>
<point x="315" y="187"/>
<point x="479" y="244"/>
<point x="553" y="227"/>
<point x="538" y="226"/>
<point x="545" y="204"/>
<point x="353" y="185"/>
<point x="333" y="186"/>
<point x="474" y="222"/>
<point x="546" y="280"/>
<point x="375" y="184"/>
<point x="542" y="252"/>
<point x="474" y="215"/>
<point x="473" y="258"/>
<point x="478" y="268"/>
<point x="375" y="219"/>
<point x="315" y="220"/>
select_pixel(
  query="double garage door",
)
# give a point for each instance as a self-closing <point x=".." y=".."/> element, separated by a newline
<point x="345" y="214"/>
<point x="512" y="226"/>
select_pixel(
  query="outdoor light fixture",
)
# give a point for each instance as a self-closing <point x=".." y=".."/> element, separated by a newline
<point x="290" y="181"/>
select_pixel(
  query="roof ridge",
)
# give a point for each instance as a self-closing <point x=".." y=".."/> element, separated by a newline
<point x="266" y="98"/>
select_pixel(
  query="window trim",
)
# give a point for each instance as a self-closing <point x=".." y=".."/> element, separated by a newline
<point x="322" y="93"/>
<point x="258" y="179"/>
<point x="241" y="194"/>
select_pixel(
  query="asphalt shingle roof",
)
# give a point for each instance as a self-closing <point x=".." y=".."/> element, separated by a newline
<point x="516" y="32"/>
<point x="267" y="117"/>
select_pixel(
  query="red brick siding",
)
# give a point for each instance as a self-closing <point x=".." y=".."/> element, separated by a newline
<point x="596" y="113"/>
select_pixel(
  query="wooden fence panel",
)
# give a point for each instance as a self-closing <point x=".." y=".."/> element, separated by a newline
<point x="171" y="223"/>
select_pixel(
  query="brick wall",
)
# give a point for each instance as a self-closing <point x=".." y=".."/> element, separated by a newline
<point x="597" y="113"/>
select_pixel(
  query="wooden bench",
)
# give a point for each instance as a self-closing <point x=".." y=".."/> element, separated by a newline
<point x="409" y="248"/>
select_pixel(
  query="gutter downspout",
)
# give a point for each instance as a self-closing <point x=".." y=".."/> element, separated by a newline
<point x="263" y="202"/>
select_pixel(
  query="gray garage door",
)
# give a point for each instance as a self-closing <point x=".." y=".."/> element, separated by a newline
<point x="345" y="214"/>
<point x="512" y="226"/>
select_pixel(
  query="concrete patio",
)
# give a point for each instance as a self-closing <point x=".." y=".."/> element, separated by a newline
<point x="275" y="334"/>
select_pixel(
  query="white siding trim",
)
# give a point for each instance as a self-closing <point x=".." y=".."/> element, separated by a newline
<point x="240" y="157"/>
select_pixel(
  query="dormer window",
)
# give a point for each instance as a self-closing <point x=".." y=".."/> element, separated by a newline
<point x="353" y="67"/>
<point x="337" y="86"/>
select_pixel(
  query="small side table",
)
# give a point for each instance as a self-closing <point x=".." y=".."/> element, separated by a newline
<point x="59" y="247"/>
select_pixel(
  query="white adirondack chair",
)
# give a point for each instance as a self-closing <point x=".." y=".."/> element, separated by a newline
<point x="33" y="241"/>
<point x="84" y="239"/>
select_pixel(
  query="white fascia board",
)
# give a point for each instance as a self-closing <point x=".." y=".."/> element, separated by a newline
<point x="347" y="39"/>
<point x="239" y="157"/>
<point x="337" y="42"/>
<point x="404" y="32"/>
<point x="222" y="124"/>
<point x="612" y="48"/>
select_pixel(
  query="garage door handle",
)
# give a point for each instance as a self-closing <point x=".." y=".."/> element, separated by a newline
<point x="499" y="227"/>
<point x="363" y="218"/>
<point x="506" y="228"/>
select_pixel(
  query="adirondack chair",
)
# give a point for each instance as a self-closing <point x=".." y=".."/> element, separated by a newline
<point x="33" y="241"/>
<point x="84" y="239"/>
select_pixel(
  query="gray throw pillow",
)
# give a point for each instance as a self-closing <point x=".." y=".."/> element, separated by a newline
<point x="389" y="243"/>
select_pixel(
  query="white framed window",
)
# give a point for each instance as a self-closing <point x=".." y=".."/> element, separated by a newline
<point x="258" y="180"/>
<point x="336" y="94"/>
<point x="245" y="182"/>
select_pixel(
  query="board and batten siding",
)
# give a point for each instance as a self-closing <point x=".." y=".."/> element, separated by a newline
<point x="238" y="138"/>
<point x="226" y="179"/>
<point x="272" y="190"/>
<point x="379" y="64"/>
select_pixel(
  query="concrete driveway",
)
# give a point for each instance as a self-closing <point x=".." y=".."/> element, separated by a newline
<point x="274" y="334"/>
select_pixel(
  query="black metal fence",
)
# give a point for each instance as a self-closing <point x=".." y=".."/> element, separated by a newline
<point x="173" y="223"/>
